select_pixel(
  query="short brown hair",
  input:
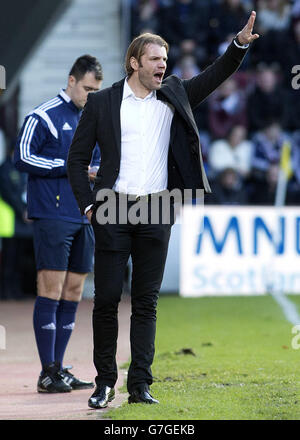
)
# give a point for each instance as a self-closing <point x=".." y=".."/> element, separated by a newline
<point x="136" y="48"/>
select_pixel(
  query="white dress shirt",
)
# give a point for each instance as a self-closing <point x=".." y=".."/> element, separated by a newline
<point x="145" y="137"/>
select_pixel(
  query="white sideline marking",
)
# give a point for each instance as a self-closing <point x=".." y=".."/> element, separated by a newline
<point x="288" y="307"/>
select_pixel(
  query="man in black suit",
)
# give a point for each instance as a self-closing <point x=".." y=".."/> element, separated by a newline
<point x="149" y="144"/>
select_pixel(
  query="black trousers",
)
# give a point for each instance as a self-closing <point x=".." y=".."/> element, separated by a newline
<point x="147" y="244"/>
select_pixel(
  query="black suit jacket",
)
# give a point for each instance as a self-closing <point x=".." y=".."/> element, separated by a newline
<point x="100" y="122"/>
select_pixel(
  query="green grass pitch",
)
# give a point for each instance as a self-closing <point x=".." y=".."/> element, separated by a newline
<point x="222" y="358"/>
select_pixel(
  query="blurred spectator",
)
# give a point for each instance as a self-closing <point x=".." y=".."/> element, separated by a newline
<point x="224" y="44"/>
<point x="263" y="192"/>
<point x="234" y="152"/>
<point x="293" y="104"/>
<point x="273" y="18"/>
<point x="265" y="163"/>
<point x="296" y="155"/>
<point x="290" y="57"/>
<point x="144" y="17"/>
<point x="17" y="268"/>
<point x="266" y="102"/>
<point x="295" y="12"/>
<point x="227" y="107"/>
<point x="227" y="189"/>
<point x="186" y="67"/>
<point x="294" y="185"/>
<point x="225" y="21"/>
<point x="290" y="54"/>
<point x="184" y="25"/>
<point x="267" y="148"/>
<point x="273" y="15"/>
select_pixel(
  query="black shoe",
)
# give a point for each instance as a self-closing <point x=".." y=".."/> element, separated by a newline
<point x="73" y="382"/>
<point x="144" y="396"/>
<point x="51" y="380"/>
<point x="101" y="397"/>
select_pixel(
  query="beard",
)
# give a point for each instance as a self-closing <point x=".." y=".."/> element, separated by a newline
<point x="149" y="82"/>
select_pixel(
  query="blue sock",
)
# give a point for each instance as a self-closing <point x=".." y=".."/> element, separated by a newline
<point x="65" y="322"/>
<point x="44" y="324"/>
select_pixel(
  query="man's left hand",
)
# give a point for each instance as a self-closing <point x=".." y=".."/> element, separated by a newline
<point x="92" y="172"/>
<point x="245" y="36"/>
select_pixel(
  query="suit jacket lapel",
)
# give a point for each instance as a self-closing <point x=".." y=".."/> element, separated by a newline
<point x="116" y="100"/>
<point x="180" y="102"/>
<point x="178" y="99"/>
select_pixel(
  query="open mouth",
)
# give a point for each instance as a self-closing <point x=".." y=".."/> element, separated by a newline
<point x="159" y="76"/>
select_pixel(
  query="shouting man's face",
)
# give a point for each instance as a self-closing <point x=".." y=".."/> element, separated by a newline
<point x="151" y="68"/>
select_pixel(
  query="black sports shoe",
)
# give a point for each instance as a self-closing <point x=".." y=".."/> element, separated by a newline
<point x="73" y="382"/>
<point x="51" y="380"/>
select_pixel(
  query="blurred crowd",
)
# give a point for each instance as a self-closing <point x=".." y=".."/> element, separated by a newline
<point x="244" y="124"/>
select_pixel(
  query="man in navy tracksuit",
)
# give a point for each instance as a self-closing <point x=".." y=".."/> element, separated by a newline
<point x="63" y="238"/>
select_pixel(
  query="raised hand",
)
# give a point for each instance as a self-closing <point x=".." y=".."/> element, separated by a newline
<point x="245" y="36"/>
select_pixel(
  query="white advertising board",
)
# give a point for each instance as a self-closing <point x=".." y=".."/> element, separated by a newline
<point x="228" y="250"/>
